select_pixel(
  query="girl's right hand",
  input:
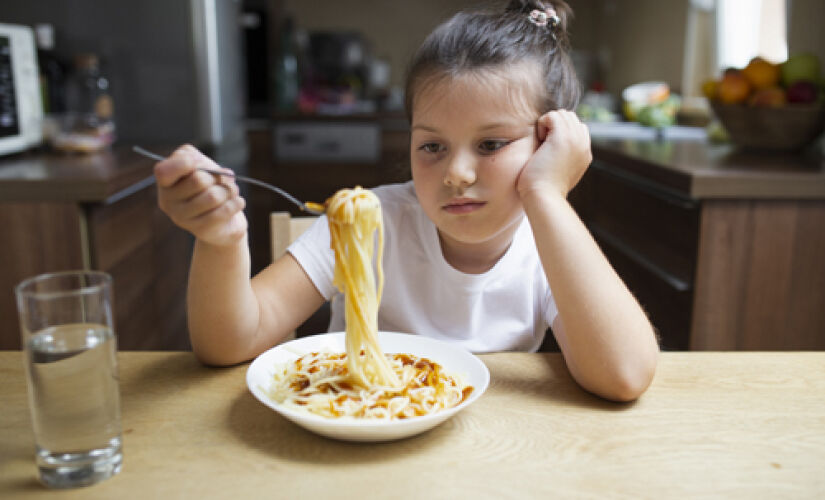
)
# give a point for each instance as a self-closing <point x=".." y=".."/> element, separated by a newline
<point x="208" y="206"/>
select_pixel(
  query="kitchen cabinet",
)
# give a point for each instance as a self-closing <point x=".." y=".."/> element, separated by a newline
<point x="722" y="248"/>
<point x="95" y="212"/>
<point x="650" y="235"/>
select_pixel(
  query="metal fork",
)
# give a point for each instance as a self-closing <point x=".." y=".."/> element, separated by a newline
<point x="309" y="207"/>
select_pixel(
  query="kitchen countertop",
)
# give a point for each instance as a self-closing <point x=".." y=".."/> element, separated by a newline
<point x="729" y="425"/>
<point x="699" y="169"/>
<point x="49" y="176"/>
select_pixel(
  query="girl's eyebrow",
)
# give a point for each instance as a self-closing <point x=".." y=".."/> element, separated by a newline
<point x="499" y="125"/>
<point x="424" y="127"/>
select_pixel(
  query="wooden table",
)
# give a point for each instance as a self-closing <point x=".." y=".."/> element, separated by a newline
<point x="725" y="425"/>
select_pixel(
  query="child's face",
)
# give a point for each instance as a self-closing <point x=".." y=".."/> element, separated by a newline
<point x="471" y="137"/>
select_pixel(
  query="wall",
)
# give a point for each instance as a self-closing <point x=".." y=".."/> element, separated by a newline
<point x="395" y="28"/>
<point x="635" y="39"/>
<point x="639" y="40"/>
<point x="806" y="32"/>
<point x="632" y="40"/>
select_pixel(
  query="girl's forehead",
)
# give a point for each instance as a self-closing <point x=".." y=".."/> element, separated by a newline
<point x="512" y="92"/>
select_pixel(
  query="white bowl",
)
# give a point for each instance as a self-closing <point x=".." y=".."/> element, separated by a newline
<point x="453" y="360"/>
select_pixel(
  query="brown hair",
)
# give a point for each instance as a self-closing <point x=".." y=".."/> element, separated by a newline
<point x="474" y="40"/>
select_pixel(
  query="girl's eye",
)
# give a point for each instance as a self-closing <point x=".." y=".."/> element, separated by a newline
<point x="431" y="147"/>
<point x="491" y="146"/>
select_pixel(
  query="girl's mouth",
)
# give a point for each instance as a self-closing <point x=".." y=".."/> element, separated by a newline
<point x="460" y="206"/>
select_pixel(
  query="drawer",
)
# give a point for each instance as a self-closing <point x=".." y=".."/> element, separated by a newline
<point x="333" y="142"/>
<point x="655" y="227"/>
<point x="668" y="307"/>
<point x="650" y="235"/>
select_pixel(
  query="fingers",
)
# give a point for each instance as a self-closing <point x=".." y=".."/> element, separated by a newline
<point x="203" y="203"/>
<point x="179" y="178"/>
<point x="563" y="123"/>
<point x="217" y="217"/>
<point x="556" y="120"/>
<point x="205" y="200"/>
<point x="178" y="165"/>
<point x="196" y="183"/>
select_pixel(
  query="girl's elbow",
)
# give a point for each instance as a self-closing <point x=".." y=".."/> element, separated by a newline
<point x="626" y="391"/>
<point x="631" y="382"/>
<point x="212" y="358"/>
<point x="214" y="354"/>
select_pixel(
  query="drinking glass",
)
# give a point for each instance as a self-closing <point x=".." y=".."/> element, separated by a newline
<point x="68" y="337"/>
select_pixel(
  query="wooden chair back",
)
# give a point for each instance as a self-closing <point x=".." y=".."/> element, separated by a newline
<point x="284" y="229"/>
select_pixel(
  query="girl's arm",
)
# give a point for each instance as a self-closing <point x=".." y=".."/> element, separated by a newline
<point x="606" y="339"/>
<point x="230" y="318"/>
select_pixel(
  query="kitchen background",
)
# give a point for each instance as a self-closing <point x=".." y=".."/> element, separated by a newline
<point x="283" y="90"/>
<point x="150" y="49"/>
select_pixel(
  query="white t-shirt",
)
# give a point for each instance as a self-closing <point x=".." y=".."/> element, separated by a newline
<point x="507" y="308"/>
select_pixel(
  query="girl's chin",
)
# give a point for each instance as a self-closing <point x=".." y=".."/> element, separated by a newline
<point x="467" y="235"/>
<point x="476" y="228"/>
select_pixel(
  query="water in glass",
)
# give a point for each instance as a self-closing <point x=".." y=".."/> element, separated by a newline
<point x="75" y="403"/>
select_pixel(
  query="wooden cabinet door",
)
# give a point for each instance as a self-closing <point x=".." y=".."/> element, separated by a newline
<point x="37" y="238"/>
<point x="148" y="258"/>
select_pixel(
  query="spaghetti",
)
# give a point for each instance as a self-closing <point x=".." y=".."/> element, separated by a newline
<point x="363" y="382"/>
<point x="354" y="217"/>
<point x="319" y="383"/>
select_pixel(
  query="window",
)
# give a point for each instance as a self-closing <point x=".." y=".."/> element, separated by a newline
<point x="749" y="28"/>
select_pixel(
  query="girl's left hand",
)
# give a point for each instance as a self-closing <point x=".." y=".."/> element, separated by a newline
<point x="562" y="157"/>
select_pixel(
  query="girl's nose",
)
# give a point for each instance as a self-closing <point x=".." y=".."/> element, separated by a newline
<point x="461" y="171"/>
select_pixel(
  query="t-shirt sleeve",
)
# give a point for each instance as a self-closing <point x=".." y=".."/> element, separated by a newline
<point x="551" y="311"/>
<point x="314" y="255"/>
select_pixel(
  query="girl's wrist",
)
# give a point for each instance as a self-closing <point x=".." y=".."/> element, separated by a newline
<point x="232" y="247"/>
<point x="541" y="196"/>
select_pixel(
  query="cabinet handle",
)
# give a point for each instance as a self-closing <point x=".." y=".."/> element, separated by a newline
<point x="639" y="259"/>
<point x="649" y="187"/>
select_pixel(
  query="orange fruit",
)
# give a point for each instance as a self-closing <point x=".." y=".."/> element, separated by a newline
<point x="734" y="88"/>
<point x="771" y="97"/>
<point x="761" y="74"/>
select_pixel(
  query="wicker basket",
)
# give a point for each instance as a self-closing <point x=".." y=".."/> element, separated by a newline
<point x="786" y="128"/>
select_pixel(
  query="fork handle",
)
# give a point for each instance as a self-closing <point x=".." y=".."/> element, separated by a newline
<point x="289" y="197"/>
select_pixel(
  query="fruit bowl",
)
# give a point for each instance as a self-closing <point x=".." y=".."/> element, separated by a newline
<point x="785" y="128"/>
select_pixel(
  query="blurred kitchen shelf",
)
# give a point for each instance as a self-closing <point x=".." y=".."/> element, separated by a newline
<point x="638" y="132"/>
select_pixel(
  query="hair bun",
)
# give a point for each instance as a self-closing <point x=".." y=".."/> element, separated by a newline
<point x="562" y="10"/>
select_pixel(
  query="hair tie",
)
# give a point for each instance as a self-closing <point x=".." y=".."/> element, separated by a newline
<point x="538" y="17"/>
<point x="544" y="18"/>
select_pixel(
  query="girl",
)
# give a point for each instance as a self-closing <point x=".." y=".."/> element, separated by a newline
<point x="481" y="247"/>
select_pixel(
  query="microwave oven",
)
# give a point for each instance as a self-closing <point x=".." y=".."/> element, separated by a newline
<point x="21" y="110"/>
